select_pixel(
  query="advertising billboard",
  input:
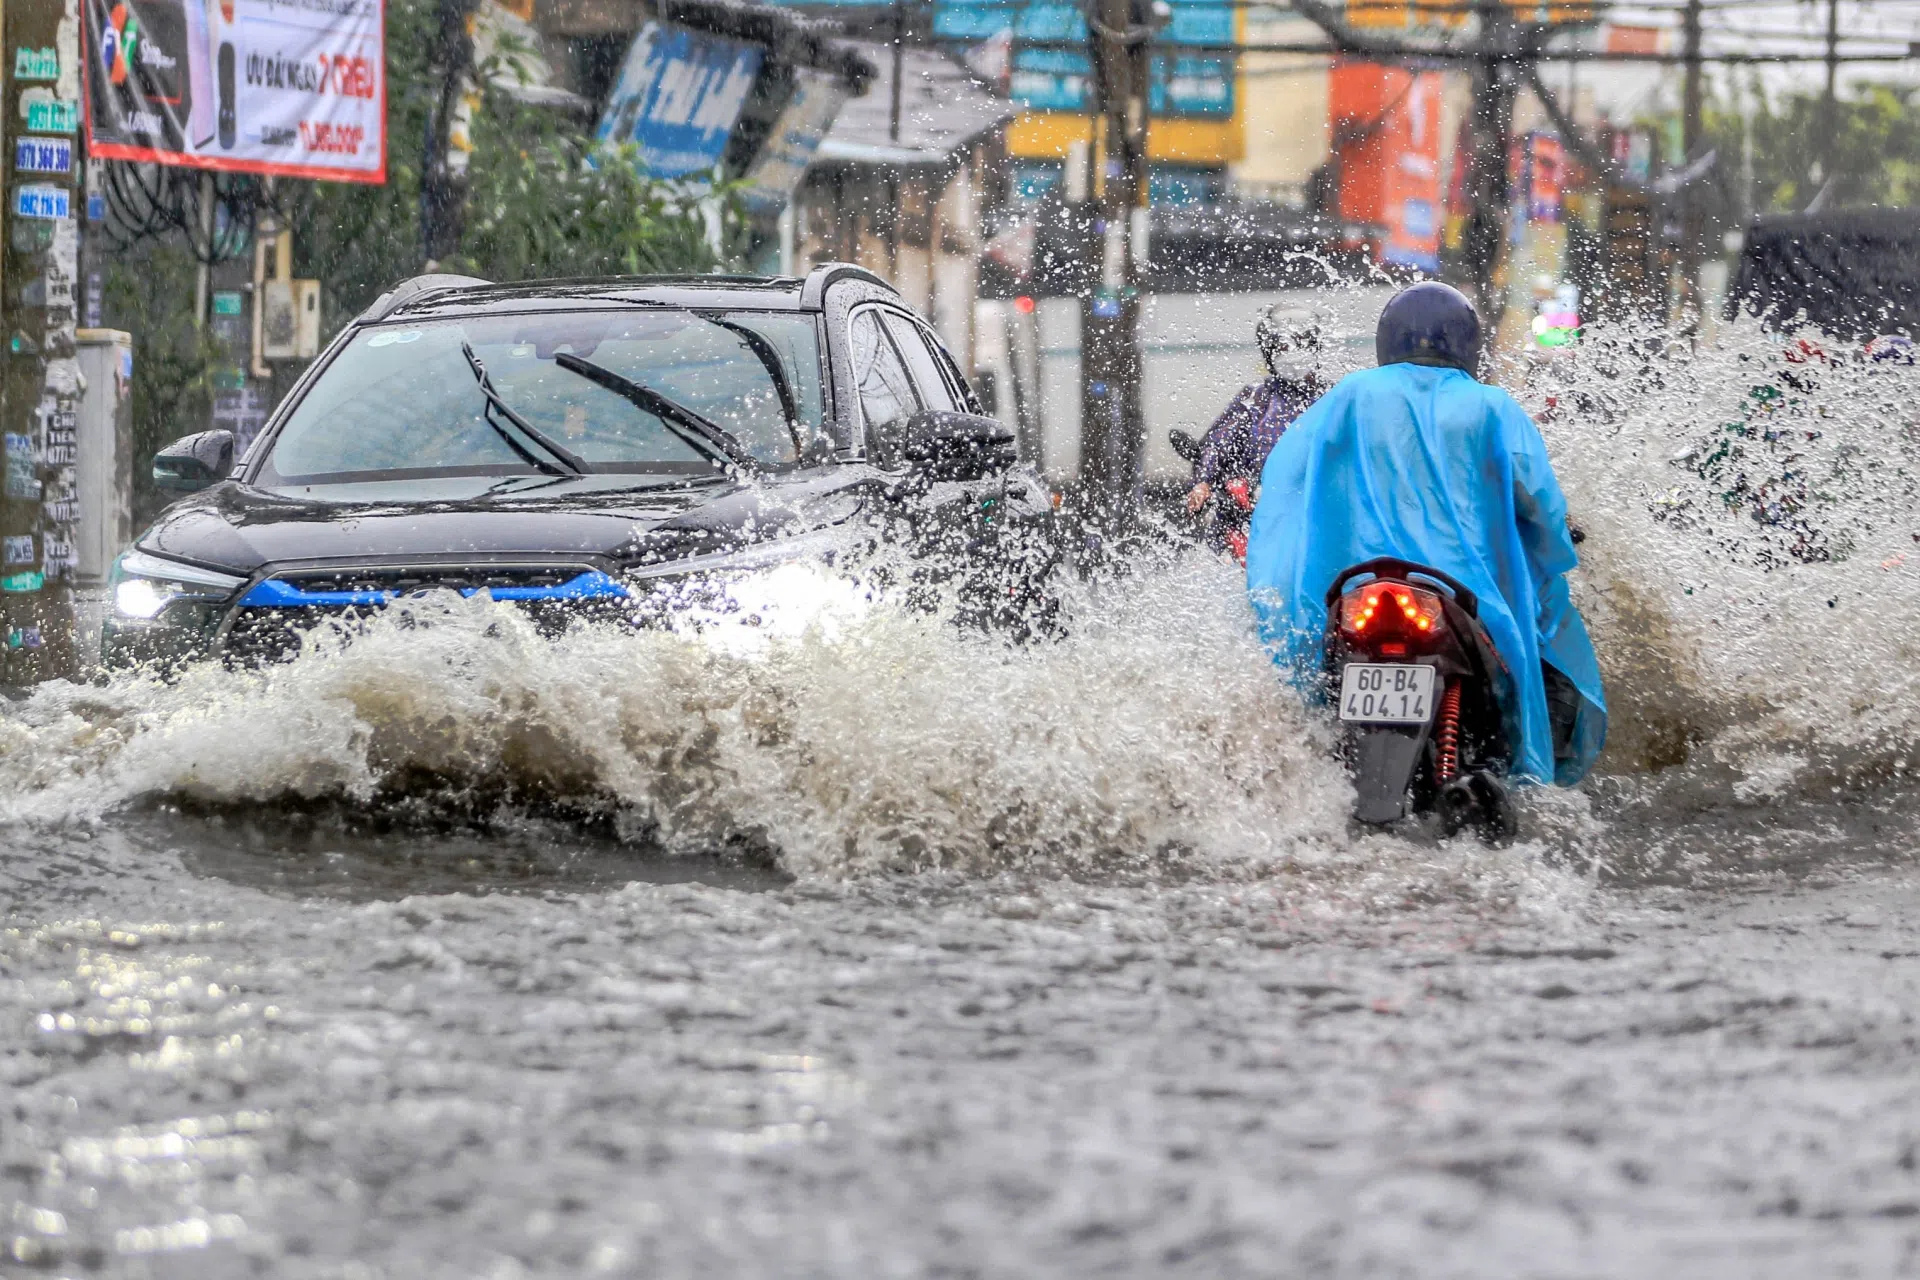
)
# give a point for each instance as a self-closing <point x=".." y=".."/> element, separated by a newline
<point x="295" y="88"/>
<point x="1388" y="120"/>
<point x="679" y="94"/>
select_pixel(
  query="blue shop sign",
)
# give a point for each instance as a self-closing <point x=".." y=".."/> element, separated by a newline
<point x="678" y="97"/>
<point x="1192" y="21"/>
<point x="1184" y="85"/>
<point x="1057" y="79"/>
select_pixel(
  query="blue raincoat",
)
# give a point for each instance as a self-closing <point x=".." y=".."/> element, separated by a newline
<point x="1429" y="465"/>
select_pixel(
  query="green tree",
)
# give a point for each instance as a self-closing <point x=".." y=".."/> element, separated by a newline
<point x="175" y="362"/>
<point x="1875" y="158"/>
<point x="543" y="201"/>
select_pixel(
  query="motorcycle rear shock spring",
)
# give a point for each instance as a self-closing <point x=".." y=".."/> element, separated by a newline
<point x="1447" y="738"/>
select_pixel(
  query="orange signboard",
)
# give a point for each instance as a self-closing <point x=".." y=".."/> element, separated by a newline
<point x="1386" y="134"/>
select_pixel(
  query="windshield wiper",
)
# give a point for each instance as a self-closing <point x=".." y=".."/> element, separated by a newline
<point x="572" y="461"/>
<point x="702" y="433"/>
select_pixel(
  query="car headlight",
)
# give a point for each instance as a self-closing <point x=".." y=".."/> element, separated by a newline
<point x="745" y="597"/>
<point x="143" y="585"/>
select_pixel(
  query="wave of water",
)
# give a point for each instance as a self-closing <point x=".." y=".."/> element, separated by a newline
<point x="1754" y="553"/>
<point x="1153" y="736"/>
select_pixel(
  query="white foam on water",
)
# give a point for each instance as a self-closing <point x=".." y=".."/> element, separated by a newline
<point x="1153" y="739"/>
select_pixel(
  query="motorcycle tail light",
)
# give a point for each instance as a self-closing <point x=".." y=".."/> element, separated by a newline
<point x="1391" y="611"/>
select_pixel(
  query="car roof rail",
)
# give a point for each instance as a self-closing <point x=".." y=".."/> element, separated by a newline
<point x="413" y="290"/>
<point x="814" y="291"/>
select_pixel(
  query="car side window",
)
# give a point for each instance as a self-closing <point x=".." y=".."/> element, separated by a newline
<point x="881" y="382"/>
<point x="923" y="362"/>
<point x="969" y="403"/>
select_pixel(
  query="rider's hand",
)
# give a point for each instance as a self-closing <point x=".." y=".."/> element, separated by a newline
<point x="1197" y="497"/>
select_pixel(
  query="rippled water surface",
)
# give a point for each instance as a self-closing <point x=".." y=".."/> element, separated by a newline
<point x="884" y="949"/>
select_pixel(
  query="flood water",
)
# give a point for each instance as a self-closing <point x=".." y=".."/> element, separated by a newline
<point x="883" y="949"/>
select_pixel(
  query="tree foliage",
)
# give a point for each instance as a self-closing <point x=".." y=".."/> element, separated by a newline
<point x="1875" y="158"/>
<point x="541" y="202"/>
<point x="175" y="364"/>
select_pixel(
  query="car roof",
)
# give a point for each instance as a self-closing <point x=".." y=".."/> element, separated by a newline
<point x="463" y="295"/>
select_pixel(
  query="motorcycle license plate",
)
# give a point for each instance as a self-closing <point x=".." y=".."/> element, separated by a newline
<point x="1386" y="693"/>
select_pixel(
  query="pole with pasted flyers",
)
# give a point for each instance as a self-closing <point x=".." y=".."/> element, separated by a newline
<point x="40" y="381"/>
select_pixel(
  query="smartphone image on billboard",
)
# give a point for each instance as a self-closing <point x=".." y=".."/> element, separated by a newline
<point x="200" y="119"/>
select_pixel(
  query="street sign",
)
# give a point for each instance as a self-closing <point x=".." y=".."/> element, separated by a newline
<point x="795" y="136"/>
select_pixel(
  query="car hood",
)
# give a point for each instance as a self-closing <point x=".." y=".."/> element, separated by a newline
<point x="612" y="520"/>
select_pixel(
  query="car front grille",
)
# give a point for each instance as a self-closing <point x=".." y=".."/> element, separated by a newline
<point x="414" y="580"/>
<point x="269" y="620"/>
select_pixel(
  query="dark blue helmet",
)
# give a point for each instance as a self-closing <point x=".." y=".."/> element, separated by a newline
<point x="1429" y="323"/>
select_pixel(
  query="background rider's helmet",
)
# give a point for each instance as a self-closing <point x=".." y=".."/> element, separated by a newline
<point x="1429" y="323"/>
<point x="1289" y="338"/>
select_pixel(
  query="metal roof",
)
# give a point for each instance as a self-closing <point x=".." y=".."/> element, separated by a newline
<point x="942" y="109"/>
<point x="808" y="42"/>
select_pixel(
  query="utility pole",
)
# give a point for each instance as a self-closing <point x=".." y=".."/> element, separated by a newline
<point x="893" y="136"/>
<point x="40" y="380"/>
<point x="899" y="64"/>
<point x="449" y="145"/>
<point x="1823" y="154"/>
<point x="1489" y="188"/>
<point x="1112" y="446"/>
<point x="1692" y="212"/>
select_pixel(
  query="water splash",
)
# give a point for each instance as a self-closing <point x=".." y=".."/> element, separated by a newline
<point x="1753" y="534"/>
<point x="1151" y="739"/>
<point x="891" y="739"/>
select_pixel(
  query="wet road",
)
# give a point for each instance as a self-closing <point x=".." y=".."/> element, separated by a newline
<point x="878" y="951"/>
<point x="1478" y="1065"/>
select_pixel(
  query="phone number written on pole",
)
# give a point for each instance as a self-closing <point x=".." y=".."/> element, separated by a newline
<point x="43" y="155"/>
<point x="42" y="202"/>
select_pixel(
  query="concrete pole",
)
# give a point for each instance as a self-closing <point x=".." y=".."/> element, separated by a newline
<point x="1112" y="444"/>
<point x="1692" y="210"/>
<point x="1823" y="153"/>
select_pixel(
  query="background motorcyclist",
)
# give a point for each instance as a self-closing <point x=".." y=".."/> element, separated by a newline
<point x="1236" y="446"/>
<point x="1418" y="459"/>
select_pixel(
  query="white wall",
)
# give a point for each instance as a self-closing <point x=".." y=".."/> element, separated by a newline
<point x="1199" y="353"/>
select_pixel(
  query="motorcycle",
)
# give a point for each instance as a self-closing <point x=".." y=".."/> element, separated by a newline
<point x="1423" y="698"/>
<point x="1233" y="508"/>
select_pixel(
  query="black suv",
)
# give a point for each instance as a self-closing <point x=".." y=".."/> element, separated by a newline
<point x="576" y="446"/>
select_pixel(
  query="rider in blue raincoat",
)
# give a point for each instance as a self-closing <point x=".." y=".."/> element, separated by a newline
<point x="1418" y="459"/>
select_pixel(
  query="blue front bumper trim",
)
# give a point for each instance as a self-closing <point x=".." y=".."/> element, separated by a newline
<point x="272" y="593"/>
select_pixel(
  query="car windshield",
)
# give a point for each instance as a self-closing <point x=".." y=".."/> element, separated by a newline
<point x="405" y="399"/>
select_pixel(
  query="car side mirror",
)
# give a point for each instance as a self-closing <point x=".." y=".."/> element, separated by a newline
<point x="942" y="445"/>
<point x="193" y="462"/>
